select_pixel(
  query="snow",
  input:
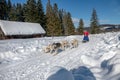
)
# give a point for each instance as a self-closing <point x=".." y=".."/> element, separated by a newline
<point x="98" y="59"/>
<point x="20" y="28"/>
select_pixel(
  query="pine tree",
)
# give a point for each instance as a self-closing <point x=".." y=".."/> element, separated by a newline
<point x="71" y="28"/>
<point x="81" y="27"/>
<point x="55" y="9"/>
<point x="94" y="25"/>
<point x="61" y="12"/>
<point x="3" y="9"/>
<point x="65" y="24"/>
<point x="54" y="27"/>
<point x="9" y="6"/>
<point x="19" y="12"/>
<point x="30" y="12"/>
<point x="57" y="22"/>
<point x="24" y="11"/>
<point x="41" y="16"/>
<point x="49" y="16"/>
<point x="12" y="14"/>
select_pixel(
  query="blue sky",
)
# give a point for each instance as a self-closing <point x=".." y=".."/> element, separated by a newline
<point x="108" y="11"/>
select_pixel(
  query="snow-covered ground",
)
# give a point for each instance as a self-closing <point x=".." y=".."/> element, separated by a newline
<point x="98" y="59"/>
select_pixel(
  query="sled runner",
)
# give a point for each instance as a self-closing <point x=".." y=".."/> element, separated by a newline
<point x="84" y="41"/>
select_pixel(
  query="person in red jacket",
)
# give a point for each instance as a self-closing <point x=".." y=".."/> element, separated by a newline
<point x="85" y="38"/>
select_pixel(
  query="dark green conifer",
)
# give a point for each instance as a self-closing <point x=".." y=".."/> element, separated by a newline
<point x="81" y="27"/>
<point x="94" y="24"/>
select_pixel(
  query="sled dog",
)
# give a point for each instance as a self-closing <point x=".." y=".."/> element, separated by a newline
<point x="52" y="48"/>
<point x="64" y="44"/>
<point x="74" y="43"/>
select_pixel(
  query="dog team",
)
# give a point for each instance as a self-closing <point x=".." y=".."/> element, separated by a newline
<point x="62" y="45"/>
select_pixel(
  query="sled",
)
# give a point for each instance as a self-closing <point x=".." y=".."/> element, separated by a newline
<point x="84" y="41"/>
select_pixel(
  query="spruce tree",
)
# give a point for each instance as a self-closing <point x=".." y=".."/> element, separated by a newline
<point x="30" y="12"/>
<point x="81" y="27"/>
<point x="55" y="9"/>
<point x="54" y="27"/>
<point x="49" y="16"/>
<point x="61" y="12"/>
<point x="71" y="28"/>
<point x="3" y="9"/>
<point x="19" y="12"/>
<point x="9" y="6"/>
<point x="94" y="25"/>
<point x="65" y="24"/>
<point x="41" y="16"/>
<point x="57" y="22"/>
<point x="12" y="14"/>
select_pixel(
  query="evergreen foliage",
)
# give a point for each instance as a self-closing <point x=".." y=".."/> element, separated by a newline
<point x="12" y="14"/>
<point x="19" y="12"/>
<point x="65" y="25"/>
<point x="9" y="6"/>
<point x="54" y="26"/>
<point x="56" y="22"/>
<point x="61" y="20"/>
<point x="3" y="9"/>
<point x="69" y="28"/>
<point x="30" y="13"/>
<point x="49" y="21"/>
<point x="81" y="27"/>
<point x="94" y="25"/>
<point x="41" y="16"/>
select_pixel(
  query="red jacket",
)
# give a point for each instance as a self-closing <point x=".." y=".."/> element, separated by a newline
<point x="86" y="33"/>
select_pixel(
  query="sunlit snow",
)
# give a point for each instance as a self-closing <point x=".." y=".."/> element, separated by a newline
<point x="98" y="59"/>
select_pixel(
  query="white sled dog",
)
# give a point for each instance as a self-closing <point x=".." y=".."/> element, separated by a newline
<point x="52" y="48"/>
<point x="74" y="43"/>
<point x="64" y="44"/>
<point x="47" y="49"/>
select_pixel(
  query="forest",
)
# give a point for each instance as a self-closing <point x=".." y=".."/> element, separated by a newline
<point x="55" y="21"/>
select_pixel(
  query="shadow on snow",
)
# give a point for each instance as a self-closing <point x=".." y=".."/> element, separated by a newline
<point x="82" y="73"/>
